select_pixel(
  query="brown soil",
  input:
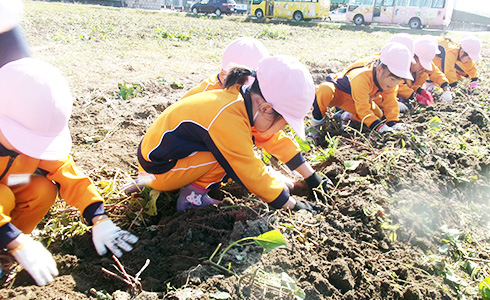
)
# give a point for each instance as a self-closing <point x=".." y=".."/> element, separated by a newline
<point x="340" y="253"/>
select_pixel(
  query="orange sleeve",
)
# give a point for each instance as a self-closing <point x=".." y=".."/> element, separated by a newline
<point x="7" y="204"/>
<point x="360" y="86"/>
<point x="404" y="90"/>
<point x="470" y="69"/>
<point x="390" y="104"/>
<point x="75" y="187"/>
<point x="324" y="95"/>
<point x="450" y="66"/>
<point x="436" y="75"/>
<point x="233" y="139"/>
<point x="279" y="145"/>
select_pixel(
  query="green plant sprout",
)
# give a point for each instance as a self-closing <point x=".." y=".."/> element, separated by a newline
<point x="348" y="165"/>
<point x="484" y="288"/>
<point x="269" y="240"/>
<point x="459" y="263"/>
<point x="435" y="124"/>
<point x="129" y="90"/>
<point x="324" y="155"/>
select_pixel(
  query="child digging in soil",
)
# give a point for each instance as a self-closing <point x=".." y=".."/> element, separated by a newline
<point x="35" y="166"/>
<point x="422" y="69"/>
<point x="205" y="139"/>
<point x="458" y="61"/>
<point x="244" y="51"/>
<point x="363" y="91"/>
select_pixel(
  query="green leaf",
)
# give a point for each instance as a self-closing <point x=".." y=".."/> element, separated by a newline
<point x="351" y="164"/>
<point x="220" y="295"/>
<point x="270" y="240"/>
<point x="151" y="206"/>
<point x="303" y="144"/>
<point x="435" y="123"/>
<point x="484" y="287"/>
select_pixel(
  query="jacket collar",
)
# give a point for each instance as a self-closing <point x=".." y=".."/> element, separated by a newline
<point x="245" y="91"/>
<point x="6" y="152"/>
<point x="375" y="79"/>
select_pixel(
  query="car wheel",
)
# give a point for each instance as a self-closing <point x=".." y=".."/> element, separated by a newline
<point x="358" y="20"/>
<point x="217" y="12"/>
<point x="259" y="14"/>
<point x="298" y="16"/>
<point x="415" y="23"/>
<point x="194" y="11"/>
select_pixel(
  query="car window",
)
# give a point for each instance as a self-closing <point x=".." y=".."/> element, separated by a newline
<point x="203" y="2"/>
<point x="231" y="1"/>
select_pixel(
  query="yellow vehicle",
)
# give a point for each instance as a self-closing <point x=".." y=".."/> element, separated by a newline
<point x="298" y="9"/>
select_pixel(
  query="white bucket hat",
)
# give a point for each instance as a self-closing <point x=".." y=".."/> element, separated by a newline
<point x="36" y="104"/>
<point x="288" y="86"/>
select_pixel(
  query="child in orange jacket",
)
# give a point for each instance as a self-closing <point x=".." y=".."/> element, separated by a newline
<point x="458" y="61"/>
<point x="35" y="166"/>
<point x="206" y="138"/>
<point x="367" y="93"/>
<point x="422" y="69"/>
<point x="244" y="51"/>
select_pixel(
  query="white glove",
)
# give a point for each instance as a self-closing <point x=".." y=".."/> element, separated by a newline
<point x="106" y="234"/>
<point x="385" y="129"/>
<point x="403" y="108"/>
<point x="400" y="127"/>
<point x="446" y="96"/>
<point x="36" y="260"/>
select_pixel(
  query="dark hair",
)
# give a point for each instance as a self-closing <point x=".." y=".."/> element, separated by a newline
<point x="464" y="53"/>
<point x="237" y="75"/>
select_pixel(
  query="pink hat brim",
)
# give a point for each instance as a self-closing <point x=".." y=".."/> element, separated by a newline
<point x="402" y="74"/>
<point x="426" y="64"/>
<point x="475" y="57"/>
<point x="297" y="125"/>
<point x="36" y="146"/>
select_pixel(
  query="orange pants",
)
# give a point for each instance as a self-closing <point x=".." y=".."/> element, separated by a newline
<point x="200" y="168"/>
<point x="329" y="96"/>
<point x="25" y="205"/>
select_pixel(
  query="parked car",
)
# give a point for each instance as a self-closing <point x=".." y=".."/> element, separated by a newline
<point x="338" y="15"/>
<point x="241" y="8"/>
<point x="217" y="7"/>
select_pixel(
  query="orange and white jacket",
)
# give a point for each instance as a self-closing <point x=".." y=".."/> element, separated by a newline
<point x="74" y="186"/>
<point x="452" y="67"/>
<point x="219" y="121"/>
<point x="212" y="83"/>
<point x="407" y="87"/>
